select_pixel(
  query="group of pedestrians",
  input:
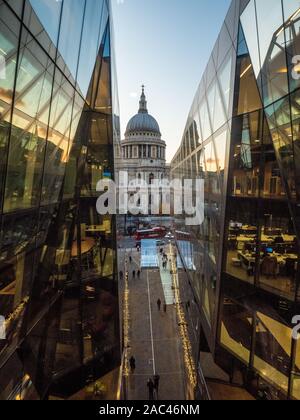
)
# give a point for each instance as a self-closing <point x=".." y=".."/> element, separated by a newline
<point x="153" y="387"/>
<point x="152" y="384"/>
<point x="164" y="259"/>
<point x="135" y="273"/>
<point x="159" y="305"/>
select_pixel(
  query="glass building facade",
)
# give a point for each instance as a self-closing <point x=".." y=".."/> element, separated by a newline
<point x="242" y="137"/>
<point x="59" y="129"/>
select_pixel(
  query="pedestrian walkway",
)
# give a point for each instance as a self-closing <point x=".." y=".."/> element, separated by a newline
<point x="167" y="282"/>
<point x="154" y="338"/>
<point x="149" y="257"/>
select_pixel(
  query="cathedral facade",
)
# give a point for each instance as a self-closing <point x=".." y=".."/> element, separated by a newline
<point x="143" y="152"/>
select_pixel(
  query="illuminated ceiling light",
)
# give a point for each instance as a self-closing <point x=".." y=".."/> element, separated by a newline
<point x="246" y="71"/>
<point x="282" y="71"/>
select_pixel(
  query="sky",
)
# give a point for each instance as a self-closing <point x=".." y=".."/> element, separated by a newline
<point x="164" y="44"/>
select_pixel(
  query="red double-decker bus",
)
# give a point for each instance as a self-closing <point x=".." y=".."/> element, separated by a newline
<point x="155" y="233"/>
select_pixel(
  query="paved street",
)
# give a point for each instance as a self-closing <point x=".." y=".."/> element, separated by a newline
<point x="154" y="337"/>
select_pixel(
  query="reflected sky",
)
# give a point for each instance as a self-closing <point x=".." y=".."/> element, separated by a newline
<point x="165" y="45"/>
<point x="48" y="12"/>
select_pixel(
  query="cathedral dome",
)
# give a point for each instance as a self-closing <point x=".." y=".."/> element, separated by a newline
<point x="143" y="121"/>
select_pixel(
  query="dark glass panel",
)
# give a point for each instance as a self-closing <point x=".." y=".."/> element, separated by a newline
<point x="295" y="107"/>
<point x="246" y="155"/>
<point x="16" y="5"/>
<point x="273" y="350"/>
<point x="278" y="249"/>
<point x="272" y="54"/>
<point x="241" y="239"/>
<point x="70" y="34"/>
<point x="103" y="101"/>
<point x="296" y="375"/>
<point x="279" y="120"/>
<point x="33" y="93"/>
<point x="292" y="36"/>
<point x="8" y="53"/>
<point x="58" y="149"/>
<point x="90" y="41"/>
<point x="236" y="330"/>
<point x="246" y="90"/>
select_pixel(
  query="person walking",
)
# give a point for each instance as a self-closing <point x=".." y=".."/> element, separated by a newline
<point x="159" y="304"/>
<point x="150" y="386"/>
<point x="139" y="274"/>
<point x="130" y="259"/>
<point x="133" y="274"/>
<point x="132" y="363"/>
<point x="156" y="381"/>
<point x="121" y="275"/>
<point x="165" y="308"/>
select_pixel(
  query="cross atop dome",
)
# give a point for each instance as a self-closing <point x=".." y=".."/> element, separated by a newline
<point x="143" y="122"/>
<point x="143" y="102"/>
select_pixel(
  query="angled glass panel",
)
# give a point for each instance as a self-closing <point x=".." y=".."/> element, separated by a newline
<point x="204" y="120"/>
<point x="236" y="330"/>
<point x="232" y="18"/>
<point x="210" y="72"/>
<point x="220" y="141"/>
<point x="246" y="158"/>
<point x="249" y="24"/>
<point x="296" y="374"/>
<point x="211" y="168"/>
<point x="248" y="99"/>
<point x="70" y="33"/>
<point x="273" y="350"/>
<point x="224" y="77"/>
<point x="269" y="22"/>
<point x="48" y="12"/>
<point x="90" y="42"/>
<point x="242" y="46"/>
<point x="295" y="107"/>
<point x="279" y="120"/>
<point x="225" y="43"/>
<point x="292" y="37"/>
<point x="16" y="5"/>
<point x="278" y="247"/>
<point x="272" y="50"/>
<point x="219" y="115"/>
<point x="8" y="51"/>
<point x="9" y="36"/>
<point x="28" y="138"/>
<point x="104" y="100"/>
